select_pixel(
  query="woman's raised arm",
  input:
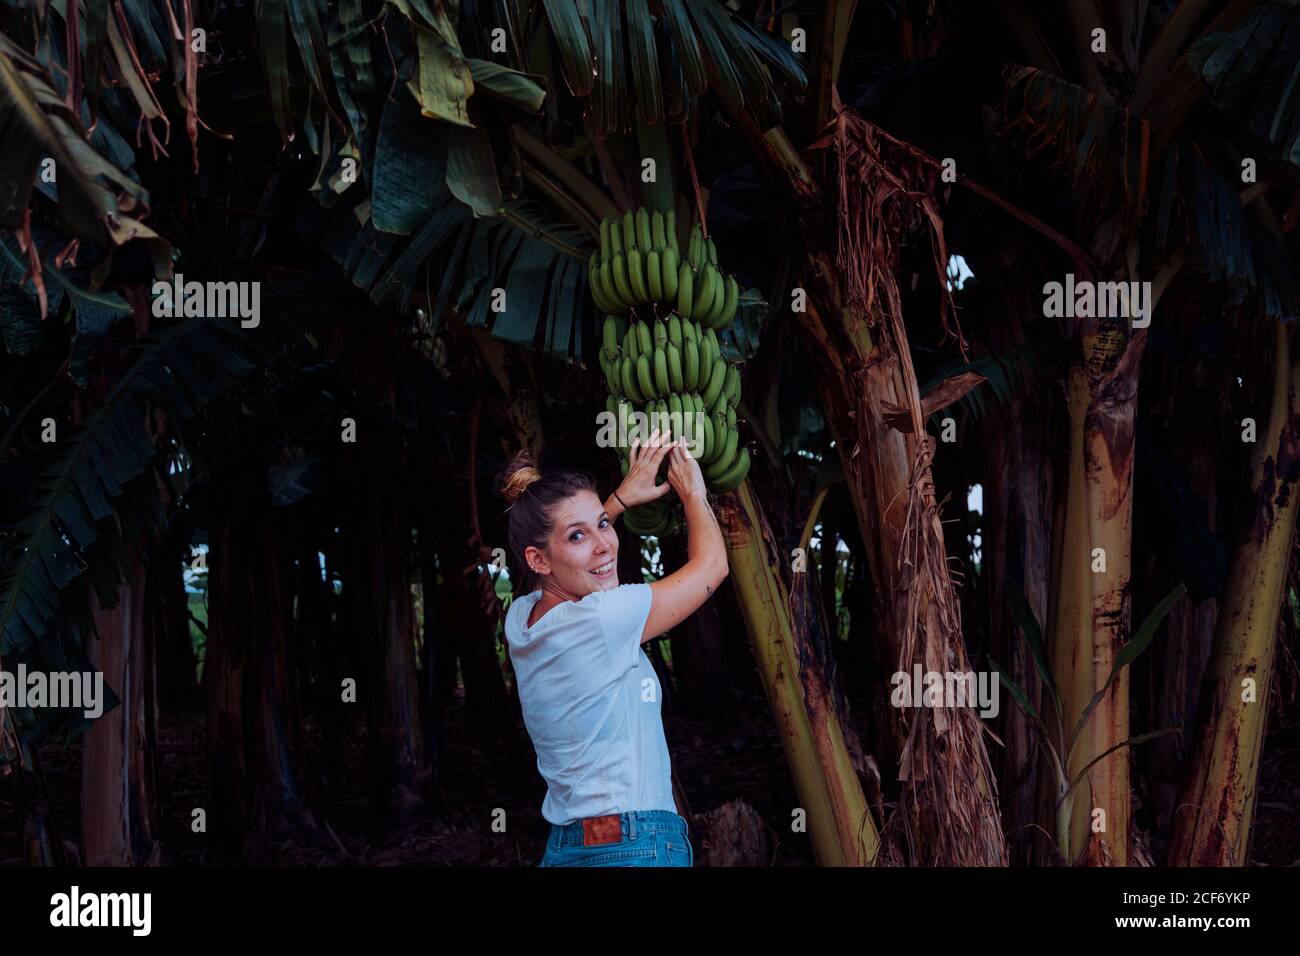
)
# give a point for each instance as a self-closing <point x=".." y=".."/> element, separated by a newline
<point x="678" y="596"/>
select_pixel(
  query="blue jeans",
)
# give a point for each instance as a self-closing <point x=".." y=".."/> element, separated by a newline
<point x="649" y="838"/>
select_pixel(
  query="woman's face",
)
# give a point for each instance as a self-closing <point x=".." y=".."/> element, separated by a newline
<point x="582" y="553"/>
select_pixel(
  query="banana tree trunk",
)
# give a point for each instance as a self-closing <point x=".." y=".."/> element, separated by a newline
<point x="1017" y="544"/>
<point x="1090" y="611"/>
<point x="1217" y="803"/>
<point x="119" y="808"/>
<point x="838" y="819"/>
<point x="257" y="758"/>
<point x="852" y="326"/>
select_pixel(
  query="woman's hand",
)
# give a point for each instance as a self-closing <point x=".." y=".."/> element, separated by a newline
<point x="638" y="485"/>
<point x="684" y="472"/>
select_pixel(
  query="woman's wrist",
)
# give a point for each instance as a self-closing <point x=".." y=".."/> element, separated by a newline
<point x="614" y="505"/>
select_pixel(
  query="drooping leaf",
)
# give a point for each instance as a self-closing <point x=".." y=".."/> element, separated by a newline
<point x="570" y="35"/>
<point x="525" y="90"/>
<point x="94" y="314"/>
<point x="472" y="171"/>
<point x="443" y="83"/>
<point x="686" y="46"/>
<point x="410" y="166"/>
<point x="645" y="61"/>
<point x="36" y="124"/>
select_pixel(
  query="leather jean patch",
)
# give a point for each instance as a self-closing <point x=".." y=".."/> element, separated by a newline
<point x="597" y="831"/>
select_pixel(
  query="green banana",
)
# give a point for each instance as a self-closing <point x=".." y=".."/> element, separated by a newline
<point x="615" y="240"/>
<point x="707" y="424"/>
<point x="621" y="283"/>
<point x="644" y="382"/>
<point x="668" y="266"/>
<point x="717" y="375"/>
<point x="729" y="303"/>
<point x="608" y="287"/>
<point x="730" y="479"/>
<point x="631" y="344"/>
<point x="661" y="372"/>
<point x="685" y="289"/>
<point x="629" y="231"/>
<point x="713" y="251"/>
<point x="697" y="243"/>
<point x="643" y="237"/>
<point x="675" y="368"/>
<point x="612" y="377"/>
<point x="705" y="293"/>
<point x="657" y="236"/>
<point x="715" y="349"/>
<point x="636" y="277"/>
<point x="592" y="265"/>
<point x="725" y="458"/>
<point x="670" y="232"/>
<point x="675" y="329"/>
<point x="690" y="365"/>
<point x="714" y="318"/>
<point x="653" y="277"/>
<point x="660" y="333"/>
<point x="643" y="339"/>
<point x="732" y="387"/>
<point x="628" y="378"/>
<point x="609" y="336"/>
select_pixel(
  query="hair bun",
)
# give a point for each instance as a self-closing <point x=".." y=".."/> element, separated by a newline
<point x="519" y="474"/>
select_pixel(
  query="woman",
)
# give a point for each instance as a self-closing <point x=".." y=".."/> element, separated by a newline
<point x="590" y="698"/>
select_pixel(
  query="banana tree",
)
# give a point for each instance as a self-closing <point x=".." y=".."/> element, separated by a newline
<point x="1136" y="166"/>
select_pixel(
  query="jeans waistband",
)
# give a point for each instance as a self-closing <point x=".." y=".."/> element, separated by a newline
<point x="632" y="823"/>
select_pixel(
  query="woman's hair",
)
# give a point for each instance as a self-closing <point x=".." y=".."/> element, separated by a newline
<point x="532" y="497"/>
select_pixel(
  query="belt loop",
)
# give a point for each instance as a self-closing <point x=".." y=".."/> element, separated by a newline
<point x="631" y="825"/>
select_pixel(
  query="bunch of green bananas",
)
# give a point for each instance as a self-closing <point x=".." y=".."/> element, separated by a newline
<point x="674" y="371"/>
<point x="639" y="263"/>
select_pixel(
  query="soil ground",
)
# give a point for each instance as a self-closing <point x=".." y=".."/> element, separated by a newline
<point x="736" y="756"/>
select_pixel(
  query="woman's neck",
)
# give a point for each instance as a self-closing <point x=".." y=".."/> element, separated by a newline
<point x="549" y="599"/>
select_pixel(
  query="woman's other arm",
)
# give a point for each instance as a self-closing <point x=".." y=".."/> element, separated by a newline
<point x="678" y="596"/>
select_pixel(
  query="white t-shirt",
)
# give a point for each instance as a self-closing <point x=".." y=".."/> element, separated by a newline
<point x="590" y="701"/>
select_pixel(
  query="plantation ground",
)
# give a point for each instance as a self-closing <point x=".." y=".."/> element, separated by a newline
<point x="715" y="760"/>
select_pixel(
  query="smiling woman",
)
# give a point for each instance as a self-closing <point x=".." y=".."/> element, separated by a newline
<point x="590" y="698"/>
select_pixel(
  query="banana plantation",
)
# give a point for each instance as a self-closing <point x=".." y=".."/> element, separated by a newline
<point x="978" y="315"/>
